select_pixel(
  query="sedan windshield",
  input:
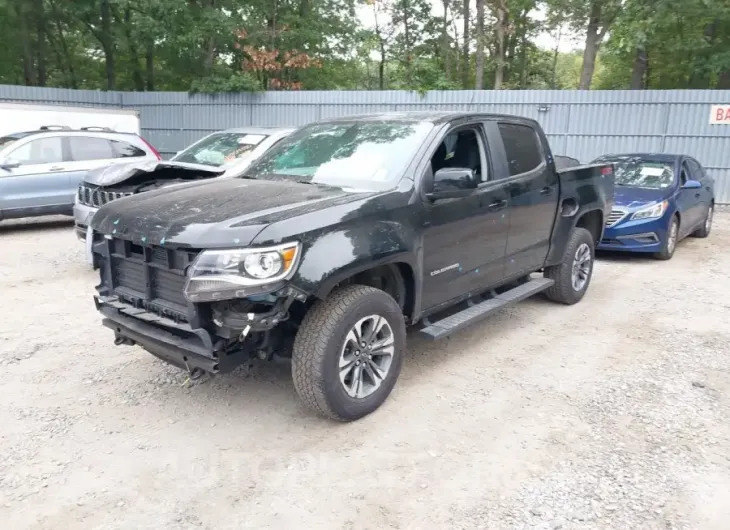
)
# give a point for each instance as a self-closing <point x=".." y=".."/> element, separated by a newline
<point x="220" y="149"/>
<point x="360" y="155"/>
<point x="641" y="173"/>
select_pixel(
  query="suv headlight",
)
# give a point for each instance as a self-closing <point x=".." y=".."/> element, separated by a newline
<point x="652" y="211"/>
<point x="236" y="273"/>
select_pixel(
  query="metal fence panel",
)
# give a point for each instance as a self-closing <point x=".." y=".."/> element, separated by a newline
<point x="581" y="124"/>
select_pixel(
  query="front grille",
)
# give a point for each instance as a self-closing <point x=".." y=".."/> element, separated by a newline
<point x="96" y="197"/>
<point x="150" y="278"/>
<point x="614" y="217"/>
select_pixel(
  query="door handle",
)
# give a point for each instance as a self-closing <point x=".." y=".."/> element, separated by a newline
<point x="697" y="195"/>
<point x="497" y="205"/>
<point x="546" y="190"/>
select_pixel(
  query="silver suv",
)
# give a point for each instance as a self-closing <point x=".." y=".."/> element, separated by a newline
<point x="40" y="171"/>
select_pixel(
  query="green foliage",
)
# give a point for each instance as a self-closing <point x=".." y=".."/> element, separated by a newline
<point x="250" y="45"/>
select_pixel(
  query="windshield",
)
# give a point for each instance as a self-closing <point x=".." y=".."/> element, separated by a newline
<point x="361" y="155"/>
<point x="220" y="149"/>
<point x="641" y="173"/>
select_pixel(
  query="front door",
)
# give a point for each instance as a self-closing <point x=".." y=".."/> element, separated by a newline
<point x="464" y="239"/>
<point x="688" y="203"/>
<point x="533" y="191"/>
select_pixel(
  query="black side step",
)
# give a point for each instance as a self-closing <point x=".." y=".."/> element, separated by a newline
<point x="444" y="328"/>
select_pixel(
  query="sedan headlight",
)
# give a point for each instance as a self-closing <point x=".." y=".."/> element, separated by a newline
<point x="237" y="273"/>
<point x="652" y="211"/>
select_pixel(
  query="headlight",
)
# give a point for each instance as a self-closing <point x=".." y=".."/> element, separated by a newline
<point x="651" y="212"/>
<point x="237" y="273"/>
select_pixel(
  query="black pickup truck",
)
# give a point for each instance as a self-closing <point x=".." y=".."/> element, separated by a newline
<point x="342" y="234"/>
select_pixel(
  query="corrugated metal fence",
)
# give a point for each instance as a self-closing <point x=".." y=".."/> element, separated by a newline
<point x="581" y="124"/>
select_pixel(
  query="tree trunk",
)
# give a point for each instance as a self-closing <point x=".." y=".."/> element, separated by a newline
<point x="638" y="71"/>
<point x="593" y="42"/>
<point x="723" y="82"/>
<point x="28" y="64"/>
<point x="150" y="64"/>
<point x="407" y="39"/>
<point x="479" y="72"/>
<point x="41" y="43"/>
<point x="500" y="30"/>
<point x="209" y="56"/>
<point x="465" y="53"/>
<point x="556" y="54"/>
<point x="107" y="43"/>
<point x="72" y="82"/>
<point x="700" y="76"/>
<point x="133" y="52"/>
<point x="381" y="66"/>
<point x="523" y="62"/>
<point x="445" y="39"/>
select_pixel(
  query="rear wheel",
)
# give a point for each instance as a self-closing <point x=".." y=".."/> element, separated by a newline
<point x="573" y="274"/>
<point x="706" y="227"/>
<point x="348" y="352"/>
<point x="670" y="243"/>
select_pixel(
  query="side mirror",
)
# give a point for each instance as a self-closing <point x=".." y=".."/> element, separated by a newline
<point x="9" y="164"/>
<point x="692" y="185"/>
<point x="452" y="183"/>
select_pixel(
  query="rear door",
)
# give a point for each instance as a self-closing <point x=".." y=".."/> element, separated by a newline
<point x="464" y="239"/>
<point x="89" y="152"/>
<point x="533" y="194"/>
<point x="39" y="183"/>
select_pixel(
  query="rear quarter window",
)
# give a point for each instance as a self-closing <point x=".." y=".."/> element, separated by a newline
<point x="126" y="150"/>
<point x="522" y="147"/>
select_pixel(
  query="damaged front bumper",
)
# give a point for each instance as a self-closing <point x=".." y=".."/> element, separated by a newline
<point x="239" y="337"/>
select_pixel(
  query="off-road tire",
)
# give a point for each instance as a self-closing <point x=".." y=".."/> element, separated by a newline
<point x="666" y="253"/>
<point x="705" y="230"/>
<point x="562" y="291"/>
<point x="318" y="343"/>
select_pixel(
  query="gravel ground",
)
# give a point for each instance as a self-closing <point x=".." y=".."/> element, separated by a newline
<point x="612" y="413"/>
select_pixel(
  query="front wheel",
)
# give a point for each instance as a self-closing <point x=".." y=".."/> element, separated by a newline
<point x="348" y="352"/>
<point x="573" y="274"/>
<point x="670" y="243"/>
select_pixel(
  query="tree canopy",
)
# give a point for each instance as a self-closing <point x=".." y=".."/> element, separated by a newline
<point x="237" y="45"/>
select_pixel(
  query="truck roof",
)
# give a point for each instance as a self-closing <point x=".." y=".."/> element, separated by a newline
<point x="433" y="116"/>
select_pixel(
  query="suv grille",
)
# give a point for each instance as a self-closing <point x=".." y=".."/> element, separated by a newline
<point x="96" y="197"/>
<point x="614" y="217"/>
<point x="150" y="278"/>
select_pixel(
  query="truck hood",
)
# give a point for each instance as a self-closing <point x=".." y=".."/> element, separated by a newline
<point x="152" y="170"/>
<point x="632" y="197"/>
<point x="223" y="213"/>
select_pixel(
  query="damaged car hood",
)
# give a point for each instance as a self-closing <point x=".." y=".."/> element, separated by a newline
<point x="153" y="169"/>
<point x="220" y="213"/>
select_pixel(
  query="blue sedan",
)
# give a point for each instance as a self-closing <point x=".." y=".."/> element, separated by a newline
<point x="659" y="200"/>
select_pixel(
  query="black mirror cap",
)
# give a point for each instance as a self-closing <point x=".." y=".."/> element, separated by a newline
<point x="452" y="183"/>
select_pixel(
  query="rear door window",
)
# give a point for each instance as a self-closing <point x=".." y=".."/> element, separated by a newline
<point x="89" y="148"/>
<point x="522" y="147"/>
<point x="40" y="151"/>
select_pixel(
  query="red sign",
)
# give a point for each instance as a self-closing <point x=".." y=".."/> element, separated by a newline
<point x="720" y="114"/>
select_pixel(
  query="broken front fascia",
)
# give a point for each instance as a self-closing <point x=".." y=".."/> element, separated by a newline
<point x="115" y="174"/>
<point x="237" y="338"/>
